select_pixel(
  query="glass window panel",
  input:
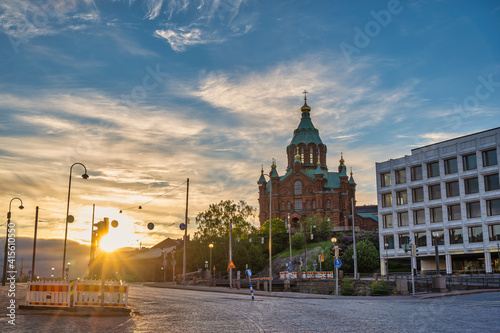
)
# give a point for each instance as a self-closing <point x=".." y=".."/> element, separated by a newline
<point x="434" y="192"/>
<point x="456" y="236"/>
<point x="450" y="166"/>
<point x="436" y="214"/>
<point x="404" y="239"/>
<point x="469" y="162"/>
<point x="439" y="238"/>
<point x="473" y="209"/>
<point x="298" y="187"/>
<point x="494" y="232"/>
<point x="490" y="157"/>
<point x="493" y="207"/>
<point x="387" y="220"/>
<point x="491" y="182"/>
<point x="418" y="194"/>
<point x="432" y="169"/>
<point x="403" y="219"/>
<point x="419" y="216"/>
<point x="454" y="213"/>
<point x="385" y="179"/>
<point x="452" y="189"/>
<point x="416" y="173"/>
<point x="475" y="234"/>
<point x="401" y="176"/>
<point x="420" y="239"/>
<point x="389" y="240"/>
<point x="387" y="200"/>
<point x="402" y="198"/>
<point x="298" y="204"/>
<point x="471" y="185"/>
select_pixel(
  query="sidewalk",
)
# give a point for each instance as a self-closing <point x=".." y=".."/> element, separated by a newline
<point x="280" y="294"/>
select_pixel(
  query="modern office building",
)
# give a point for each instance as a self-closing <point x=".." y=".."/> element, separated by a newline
<point x="449" y="193"/>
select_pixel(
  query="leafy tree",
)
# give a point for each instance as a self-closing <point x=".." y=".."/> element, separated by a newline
<point x="297" y="241"/>
<point x="367" y="254"/>
<point x="279" y="234"/>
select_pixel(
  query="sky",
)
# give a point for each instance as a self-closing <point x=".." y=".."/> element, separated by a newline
<point x="148" y="93"/>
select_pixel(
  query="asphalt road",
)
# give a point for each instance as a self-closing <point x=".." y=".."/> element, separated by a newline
<point x="175" y="310"/>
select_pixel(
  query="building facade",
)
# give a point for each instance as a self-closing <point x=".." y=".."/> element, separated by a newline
<point x="449" y="193"/>
<point x="308" y="188"/>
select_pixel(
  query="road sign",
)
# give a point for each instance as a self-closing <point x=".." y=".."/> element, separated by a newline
<point x="231" y="265"/>
<point x="322" y="257"/>
<point x="249" y="272"/>
<point x="337" y="263"/>
<point x="314" y="262"/>
<point x="182" y="226"/>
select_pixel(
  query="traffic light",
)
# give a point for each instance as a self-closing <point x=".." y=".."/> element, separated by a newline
<point x="337" y="250"/>
<point x="414" y="250"/>
<point x="332" y="252"/>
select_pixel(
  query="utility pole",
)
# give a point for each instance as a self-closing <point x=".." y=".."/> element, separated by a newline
<point x="230" y="252"/>
<point x="185" y="236"/>
<point x="34" y="246"/>
<point x="354" y="241"/>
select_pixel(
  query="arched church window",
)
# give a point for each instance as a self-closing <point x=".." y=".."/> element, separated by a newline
<point x="288" y="205"/>
<point x="283" y="205"/>
<point x="307" y="203"/>
<point x="328" y="204"/>
<point x="314" y="204"/>
<point x="302" y="155"/>
<point x="298" y="187"/>
<point x="311" y="155"/>
<point x="319" y="154"/>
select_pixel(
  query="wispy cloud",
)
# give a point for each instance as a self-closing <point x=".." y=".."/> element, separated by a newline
<point x="154" y="8"/>
<point x="181" y="37"/>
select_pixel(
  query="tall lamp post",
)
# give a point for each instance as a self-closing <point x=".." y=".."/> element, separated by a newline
<point x="4" y="278"/>
<point x="290" y="243"/>
<point x="211" y="246"/>
<point x="386" y="246"/>
<point x="354" y="240"/>
<point x="270" y="226"/>
<point x="84" y="176"/>
<point x="336" y="249"/>
<point x="436" y="234"/>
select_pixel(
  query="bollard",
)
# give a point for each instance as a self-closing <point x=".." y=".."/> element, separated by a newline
<point x="238" y="284"/>
<point x="265" y="285"/>
<point x="258" y="284"/>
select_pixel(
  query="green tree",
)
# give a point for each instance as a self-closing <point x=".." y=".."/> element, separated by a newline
<point x="367" y="254"/>
<point x="297" y="241"/>
<point x="279" y="234"/>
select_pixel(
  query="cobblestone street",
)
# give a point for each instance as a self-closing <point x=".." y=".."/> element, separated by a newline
<point x="177" y="310"/>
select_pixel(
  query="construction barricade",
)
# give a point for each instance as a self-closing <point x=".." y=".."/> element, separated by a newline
<point x="49" y="293"/>
<point x="88" y="294"/>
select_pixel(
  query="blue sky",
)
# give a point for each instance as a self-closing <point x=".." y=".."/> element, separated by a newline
<point x="149" y="93"/>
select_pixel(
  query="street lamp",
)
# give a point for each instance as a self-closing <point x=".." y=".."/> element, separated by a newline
<point x="354" y="240"/>
<point x="270" y="227"/>
<point x="84" y="176"/>
<point x="336" y="249"/>
<point x="290" y="242"/>
<point x="52" y="275"/>
<point x="436" y="234"/>
<point x="67" y="271"/>
<point x="386" y="246"/>
<point x="211" y="246"/>
<point x="7" y="240"/>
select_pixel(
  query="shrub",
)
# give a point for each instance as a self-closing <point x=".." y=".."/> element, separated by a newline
<point x="297" y="241"/>
<point x="346" y="287"/>
<point x="380" y="288"/>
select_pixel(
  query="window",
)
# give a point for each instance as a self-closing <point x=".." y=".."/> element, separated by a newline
<point x="416" y="173"/>
<point x="401" y="176"/>
<point x="307" y="204"/>
<point x="314" y="204"/>
<point x="419" y="216"/>
<point x="471" y="185"/>
<point x="288" y="205"/>
<point x="403" y="219"/>
<point x="450" y="166"/>
<point x="420" y="239"/>
<point x="494" y="232"/>
<point x="473" y="209"/>
<point x="454" y="213"/>
<point x="389" y="240"/>
<point x="418" y="194"/>
<point x="404" y="239"/>
<point x="402" y="198"/>
<point x="491" y="182"/>
<point x="435" y="192"/>
<point x="302" y="155"/>
<point x="311" y="155"/>
<point x="432" y="169"/>
<point x="475" y="234"/>
<point x="283" y="205"/>
<point x="493" y="207"/>
<point x="456" y="236"/>
<point x="298" y="187"/>
<point x="387" y="220"/>
<point x="385" y="179"/>
<point x="490" y="157"/>
<point x="387" y="200"/>
<point x="439" y="238"/>
<point x="436" y="214"/>
<point x="328" y="204"/>
<point x="452" y="189"/>
<point x="470" y="162"/>
<point x="298" y="204"/>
